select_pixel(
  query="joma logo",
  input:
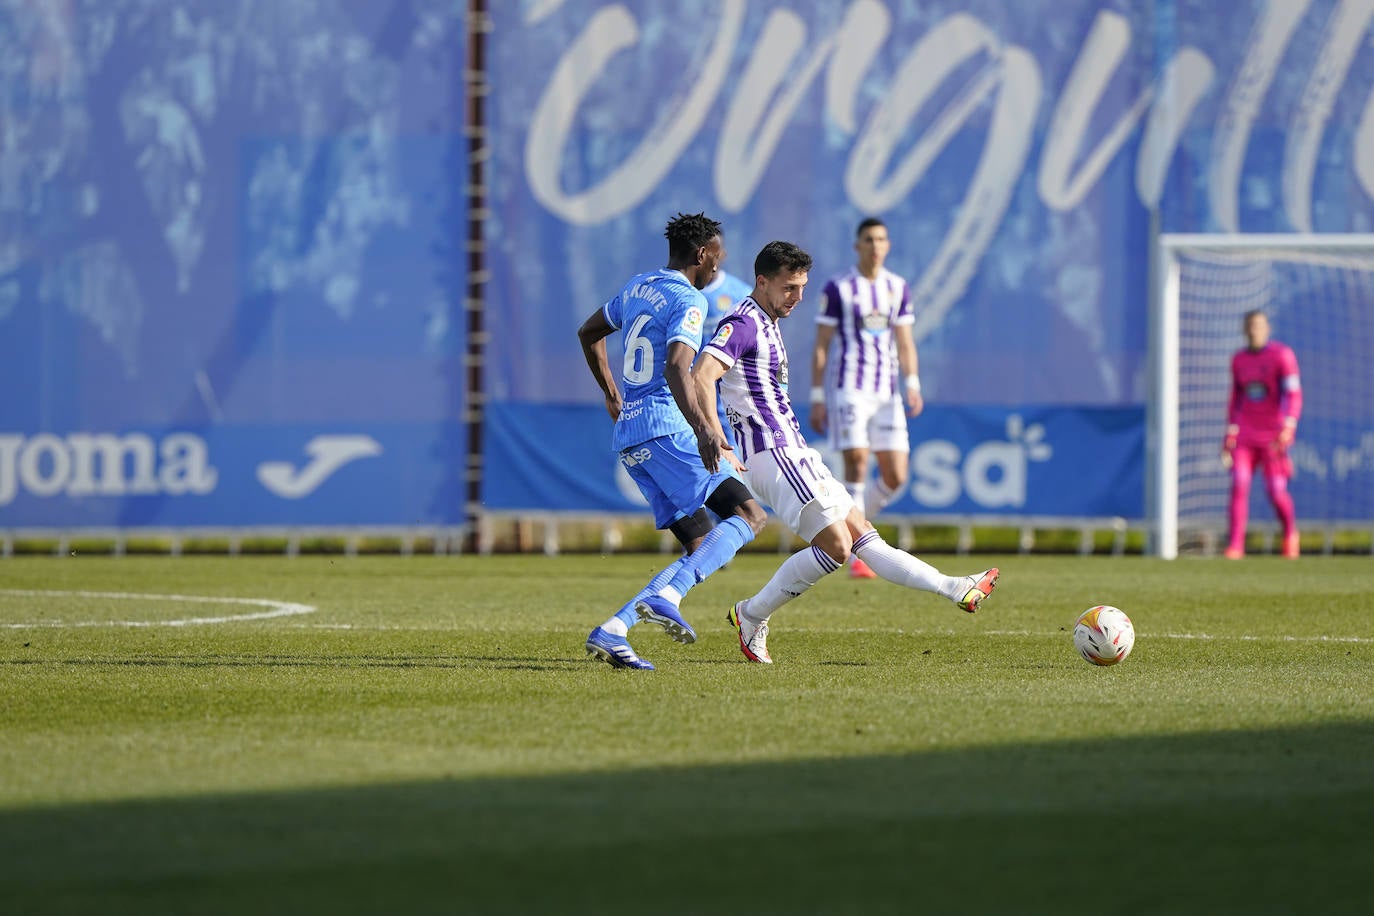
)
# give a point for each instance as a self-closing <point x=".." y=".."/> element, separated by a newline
<point x="103" y="464"/>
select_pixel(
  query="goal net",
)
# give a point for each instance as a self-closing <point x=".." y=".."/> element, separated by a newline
<point x="1319" y="294"/>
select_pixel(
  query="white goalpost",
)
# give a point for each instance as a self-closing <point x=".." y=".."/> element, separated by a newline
<point x="1319" y="293"/>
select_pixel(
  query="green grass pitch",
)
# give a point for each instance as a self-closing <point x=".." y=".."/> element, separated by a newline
<point x="426" y="735"/>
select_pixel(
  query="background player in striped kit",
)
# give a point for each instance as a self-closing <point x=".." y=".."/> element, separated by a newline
<point x="1261" y="421"/>
<point x="747" y="362"/>
<point x="861" y="398"/>
<point x="657" y="423"/>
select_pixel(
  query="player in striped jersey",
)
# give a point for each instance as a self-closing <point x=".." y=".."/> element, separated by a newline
<point x="862" y="397"/>
<point x="747" y="362"/>
<point x="662" y="314"/>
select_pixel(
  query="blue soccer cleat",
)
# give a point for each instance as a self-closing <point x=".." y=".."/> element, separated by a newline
<point x="660" y="611"/>
<point x="615" y="650"/>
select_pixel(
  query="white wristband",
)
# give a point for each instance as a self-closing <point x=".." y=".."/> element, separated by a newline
<point x="913" y="383"/>
<point x="817" y="394"/>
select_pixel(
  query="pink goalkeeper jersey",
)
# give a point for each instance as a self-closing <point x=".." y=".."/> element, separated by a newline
<point x="1265" y="390"/>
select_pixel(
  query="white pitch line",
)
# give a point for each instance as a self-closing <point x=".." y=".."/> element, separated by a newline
<point x="275" y="609"/>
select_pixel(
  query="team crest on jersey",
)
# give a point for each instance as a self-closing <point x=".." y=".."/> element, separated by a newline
<point x="724" y="301"/>
<point x="877" y="322"/>
<point x="693" y="320"/>
<point x="722" y="335"/>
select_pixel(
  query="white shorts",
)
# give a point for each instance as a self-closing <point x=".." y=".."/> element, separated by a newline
<point x="866" y="420"/>
<point x="799" y="488"/>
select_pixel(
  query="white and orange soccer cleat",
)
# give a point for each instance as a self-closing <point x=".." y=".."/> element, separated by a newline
<point x="980" y="586"/>
<point x="753" y="637"/>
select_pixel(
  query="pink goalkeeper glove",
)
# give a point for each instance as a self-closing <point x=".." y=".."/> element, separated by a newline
<point x="1228" y="445"/>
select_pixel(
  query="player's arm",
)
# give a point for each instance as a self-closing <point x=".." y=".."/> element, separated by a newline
<point x="1228" y="440"/>
<point x="711" y="439"/>
<point x="1290" y="397"/>
<point x="908" y="363"/>
<point x="677" y="371"/>
<point x="592" y="335"/>
<point x="698" y="405"/>
<point x="820" y="355"/>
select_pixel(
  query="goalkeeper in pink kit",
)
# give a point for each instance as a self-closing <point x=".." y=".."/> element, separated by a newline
<point x="1266" y="401"/>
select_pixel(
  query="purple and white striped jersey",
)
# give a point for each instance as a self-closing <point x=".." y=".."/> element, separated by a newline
<point x="863" y="313"/>
<point x="754" y="387"/>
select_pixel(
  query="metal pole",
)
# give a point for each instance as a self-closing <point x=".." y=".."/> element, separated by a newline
<point x="476" y="90"/>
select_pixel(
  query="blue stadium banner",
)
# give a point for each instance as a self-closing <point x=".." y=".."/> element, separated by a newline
<point x="993" y="461"/>
<point x="236" y="234"/>
<point x="231" y="264"/>
<point x="283" y="475"/>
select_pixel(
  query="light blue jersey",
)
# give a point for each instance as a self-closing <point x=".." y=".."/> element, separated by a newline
<point x="722" y="295"/>
<point x="653" y="310"/>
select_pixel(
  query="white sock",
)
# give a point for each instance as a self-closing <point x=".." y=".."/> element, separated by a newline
<point x="797" y="573"/>
<point x="616" y="627"/>
<point x="902" y="568"/>
<point x="877" y="498"/>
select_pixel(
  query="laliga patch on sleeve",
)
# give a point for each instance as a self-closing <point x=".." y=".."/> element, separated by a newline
<point x="693" y="319"/>
<point x="722" y="335"/>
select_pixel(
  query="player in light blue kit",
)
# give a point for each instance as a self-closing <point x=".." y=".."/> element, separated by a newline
<point x="658" y="420"/>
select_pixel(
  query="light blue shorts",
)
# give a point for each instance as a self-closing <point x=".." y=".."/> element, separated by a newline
<point x="669" y="472"/>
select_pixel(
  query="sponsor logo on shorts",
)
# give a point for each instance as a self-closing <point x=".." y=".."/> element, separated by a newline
<point x="638" y="456"/>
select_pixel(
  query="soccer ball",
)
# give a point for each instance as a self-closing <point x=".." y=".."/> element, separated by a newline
<point x="1103" y="635"/>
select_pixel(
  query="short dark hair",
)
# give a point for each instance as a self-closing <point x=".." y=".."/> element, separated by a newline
<point x="1252" y="314"/>
<point x="688" y="232"/>
<point x="777" y="256"/>
<point x="868" y="223"/>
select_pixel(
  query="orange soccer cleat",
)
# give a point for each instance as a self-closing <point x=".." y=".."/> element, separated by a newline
<point x="1291" y="548"/>
<point x="858" y="569"/>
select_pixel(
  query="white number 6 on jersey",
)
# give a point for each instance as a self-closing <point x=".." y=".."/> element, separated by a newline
<point x="639" y="353"/>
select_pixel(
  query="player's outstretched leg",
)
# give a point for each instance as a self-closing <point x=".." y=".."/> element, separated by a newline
<point x="901" y="568"/>
<point x="615" y="651"/>
<point x="662" y="607"/>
